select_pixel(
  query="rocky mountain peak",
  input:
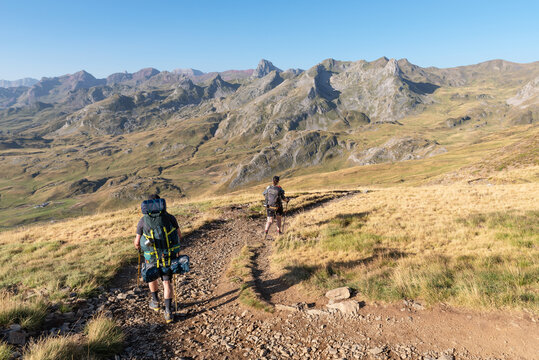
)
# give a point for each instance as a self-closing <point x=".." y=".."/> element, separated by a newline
<point x="186" y="84"/>
<point x="264" y="68"/>
<point x="219" y="88"/>
<point x="81" y="80"/>
<point x="145" y="74"/>
<point x="118" y="78"/>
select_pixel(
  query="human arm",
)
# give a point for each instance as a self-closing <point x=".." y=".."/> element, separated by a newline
<point x="139" y="231"/>
<point x="283" y="197"/>
<point x="137" y="242"/>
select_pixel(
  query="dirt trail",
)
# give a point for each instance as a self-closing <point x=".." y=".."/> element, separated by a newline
<point x="212" y="324"/>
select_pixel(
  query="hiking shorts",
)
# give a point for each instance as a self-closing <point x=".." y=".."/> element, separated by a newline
<point x="165" y="275"/>
<point x="272" y="213"/>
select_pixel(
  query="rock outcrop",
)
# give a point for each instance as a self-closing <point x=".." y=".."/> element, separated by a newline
<point x="264" y="68"/>
<point x="397" y="149"/>
<point x="304" y="148"/>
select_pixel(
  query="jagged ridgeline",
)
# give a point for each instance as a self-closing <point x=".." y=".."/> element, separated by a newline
<point x="76" y="142"/>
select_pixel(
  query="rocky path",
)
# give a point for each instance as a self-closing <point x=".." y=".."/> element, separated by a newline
<point x="212" y="324"/>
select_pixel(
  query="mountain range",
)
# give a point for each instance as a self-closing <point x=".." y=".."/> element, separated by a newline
<point x="188" y="132"/>
<point x="16" y="83"/>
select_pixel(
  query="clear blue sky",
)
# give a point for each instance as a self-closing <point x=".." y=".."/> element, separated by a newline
<point x="49" y="38"/>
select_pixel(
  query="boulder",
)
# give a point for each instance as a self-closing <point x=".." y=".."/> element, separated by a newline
<point x="316" y="312"/>
<point x="346" y="307"/>
<point x="339" y="293"/>
<point x="16" y="338"/>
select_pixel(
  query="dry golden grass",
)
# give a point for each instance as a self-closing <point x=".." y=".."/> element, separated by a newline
<point x="103" y="339"/>
<point x="27" y="313"/>
<point x="56" y="348"/>
<point x="471" y="245"/>
<point x="81" y="253"/>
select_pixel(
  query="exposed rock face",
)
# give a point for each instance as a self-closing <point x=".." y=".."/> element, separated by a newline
<point x="219" y="88"/>
<point x="302" y="149"/>
<point x="528" y="95"/>
<point x="397" y="149"/>
<point x="255" y="89"/>
<point x="377" y="89"/>
<point x="264" y="68"/>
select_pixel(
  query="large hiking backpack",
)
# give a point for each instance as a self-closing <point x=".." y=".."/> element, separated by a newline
<point x="273" y="198"/>
<point x="160" y="241"/>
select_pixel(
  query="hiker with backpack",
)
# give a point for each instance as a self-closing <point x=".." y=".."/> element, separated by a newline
<point x="160" y="235"/>
<point x="274" y="197"/>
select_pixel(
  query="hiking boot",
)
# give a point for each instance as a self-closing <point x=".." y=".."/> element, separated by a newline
<point x="169" y="317"/>
<point x="154" y="305"/>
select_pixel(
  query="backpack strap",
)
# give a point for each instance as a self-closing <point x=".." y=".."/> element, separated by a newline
<point x="167" y="233"/>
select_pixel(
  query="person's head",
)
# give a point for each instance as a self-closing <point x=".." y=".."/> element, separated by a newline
<point x="154" y="197"/>
<point x="275" y="180"/>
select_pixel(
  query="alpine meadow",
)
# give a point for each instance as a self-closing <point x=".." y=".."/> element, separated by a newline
<point x="410" y="192"/>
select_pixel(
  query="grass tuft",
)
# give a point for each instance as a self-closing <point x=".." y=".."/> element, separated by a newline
<point x="241" y="272"/>
<point x="103" y="339"/>
<point x="104" y="336"/>
<point x="5" y="351"/>
<point x="29" y="314"/>
<point x="55" y="348"/>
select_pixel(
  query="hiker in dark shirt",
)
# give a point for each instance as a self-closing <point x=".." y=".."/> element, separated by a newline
<point x="274" y="197"/>
<point x="174" y="234"/>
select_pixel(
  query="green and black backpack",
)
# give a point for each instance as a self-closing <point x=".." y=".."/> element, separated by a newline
<point x="160" y="241"/>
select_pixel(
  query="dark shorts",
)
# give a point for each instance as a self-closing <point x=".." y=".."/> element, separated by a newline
<point x="165" y="275"/>
<point x="272" y="213"/>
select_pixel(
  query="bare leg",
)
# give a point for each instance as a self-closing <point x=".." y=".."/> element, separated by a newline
<point x="167" y="285"/>
<point x="279" y="223"/>
<point x="268" y="223"/>
<point x="154" y="286"/>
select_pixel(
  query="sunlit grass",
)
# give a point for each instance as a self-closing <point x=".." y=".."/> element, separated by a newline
<point x="5" y="351"/>
<point x="103" y="338"/>
<point x="240" y="271"/>
<point x="475" y="246"/>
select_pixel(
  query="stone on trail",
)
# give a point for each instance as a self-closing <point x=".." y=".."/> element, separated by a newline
<point x="285" y="307"/>
<point x="315" y="312"/>
<point x="446" y="357"/>
<point x="16" y="338"/>
<point x="346" y="307"/>
<point x="376" y="350"/>
<point x="339" y="293"/>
